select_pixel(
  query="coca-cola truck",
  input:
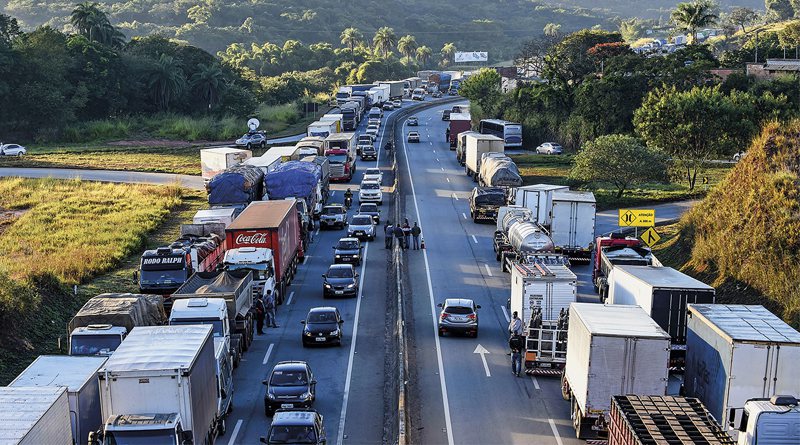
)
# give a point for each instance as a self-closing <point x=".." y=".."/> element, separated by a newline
<point x="274" y="226"/>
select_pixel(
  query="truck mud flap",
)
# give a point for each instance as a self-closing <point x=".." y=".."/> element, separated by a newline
<point x="544" y="372"/>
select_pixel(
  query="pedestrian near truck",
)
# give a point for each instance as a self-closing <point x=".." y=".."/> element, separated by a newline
<point x="415" y="232"/>
<point x="388" y="232"/>
<point x="515" y="325"/>
<point x="398" y="233"/>
<point x="269" y="305"/>
<point x="406" y="234"/>
<point x="260" y="313"/>
<point x="515" y="344"/>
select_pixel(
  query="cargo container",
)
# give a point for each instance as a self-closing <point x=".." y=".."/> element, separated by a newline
<point x="286" y="153"/>
<point x="236" y="186"/>
<point x="663" y="420"/>
<point x="499" y="171"/>
<point x="322" y="129"/>
<point x="538" y="198"/>
<point x="333" y="117"/>
<point x="611" y="350"/>
<point x="79" y="376"/>
<point x="573" y="223"/>
<point x="459" y="122"/>
<point x="738" y="352"/>
<point x="395" y="88"/>
<point x="216" y="160"/>
<point x="477" y="145"/>
<point x="35" y="416"/>
<point x="224" y="216"/>
<point x="317" y="144"/>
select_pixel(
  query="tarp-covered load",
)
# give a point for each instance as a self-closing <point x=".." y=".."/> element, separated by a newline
<point x="500" y="171"/>
<point x="223" y="283"/>
<point x="324" y="165"/>
<point x="293" y="179"/>
<point x="240" y="184"/>
<point x="491" y="196"/>
<point x="126" y="310"/>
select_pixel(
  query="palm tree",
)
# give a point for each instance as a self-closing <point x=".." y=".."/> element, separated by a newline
<point x="85" y="17"/>
<point x="384" y="40"/>
<point x="448" y="51"/>
<point x="351" y="37"/>
<point x="208" y="82"/>
<point x="424" y="54"/>
<point x="165" y="80"/>
<point x="692" y="16"/>
<point x="408" y="46"/>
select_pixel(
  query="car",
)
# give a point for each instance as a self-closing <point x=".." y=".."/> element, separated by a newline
<point x="370" y="209"/>
<point x="388" y="106"/>
<point x="368" y="152"/>
<point x="361" y="227"/>
<point x="291" y="384"/>
<point x="459" y="315"/>
<point x="322" y="326"/>
<point x="374" y="121"/>
<point x="413" y="136"/>
<point x="364" y="139"/>
<point x="446" y="115"/>
<point x="437" y="94"/>
<point x="347" y="250"/>
<point x="418" y="94"/>
<point x="372" y="130"/>
<point x="370" y="191"/>
<point x="289" y="425"/>
<point x="341" y="280"/>
<point x="373" y="174"/>
<point x="12" y="150"/>
<point x="413" y="121"/>
<point x="397" y="103"/>
<point x="333" y="216"/>
<point x="452" y="92"/>
<point x="549" y="148"/>
<point x="252" y="139"/>
<point x="739" y="155"/>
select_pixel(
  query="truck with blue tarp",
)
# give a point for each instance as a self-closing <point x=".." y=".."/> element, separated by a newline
<point x="235" y="186"/>
<point x="296" y="179"/>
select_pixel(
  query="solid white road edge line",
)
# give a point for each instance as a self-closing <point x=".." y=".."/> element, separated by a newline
<point x="555" y="431"/>
<point x="289" y="300"/>
<point x="442" y="382"/>
<point x="340" y="433"/>
<point x="235" y="433"/>
<point x="269" y="351"/>
<point x="489" y="271"/>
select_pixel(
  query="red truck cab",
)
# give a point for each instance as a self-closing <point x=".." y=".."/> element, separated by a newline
<point x="614" y="250"/>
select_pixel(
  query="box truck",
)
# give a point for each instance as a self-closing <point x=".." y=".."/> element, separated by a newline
<point x="459" y="122"/>
<point x="738" y="352"/>
<point x="79" y="376"/>
<point x="477" y="145"/>
<point x="538" y="198"/>
<point x="322" y="128"/>
<point x="224" y="216"/>
<point x="311" y="146"/>
<point x="617" y="249"/>
<point x="611" y="350"/>
<point x="395" y="88"/>
<point x="572" y="223"/>
<point x="35" y="416"/>
<point x="216" y="160"/>
<point x="336" y="118"/>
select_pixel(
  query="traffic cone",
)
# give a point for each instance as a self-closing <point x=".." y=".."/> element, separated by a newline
<point x="422" y="243"/>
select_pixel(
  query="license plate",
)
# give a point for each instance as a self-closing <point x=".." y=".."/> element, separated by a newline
<point x="287" y="405"/>
<point x="544" y="365"/>
<point x="457" y="318"/>
<point x="339" y="292"/>
<point x="320" y="338"/>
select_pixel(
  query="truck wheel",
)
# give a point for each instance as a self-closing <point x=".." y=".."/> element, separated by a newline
<point x="221" y="427"/>
<point x="564" y="386"/>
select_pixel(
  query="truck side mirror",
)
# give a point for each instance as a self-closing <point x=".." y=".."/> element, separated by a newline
<point x="477" y="306"/>
<point x="264" y="382"/>
<point x="439" y="305"/>
<point x="302" y="322"/>
<point x="93" y="439"/>
<point x="341" y="321"/>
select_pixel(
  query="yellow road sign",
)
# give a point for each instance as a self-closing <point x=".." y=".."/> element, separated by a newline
<point x="637" y="218"/>
<point x="650" y="237"/>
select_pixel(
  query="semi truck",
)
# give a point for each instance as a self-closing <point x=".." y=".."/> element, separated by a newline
<point x="395" y="88"/>
<point x="237" y="186"/>
<point x="572" y="223"/>
<point x="663" y="293"/>
<point x="411" y="83"/>
<point x="476" y="145"/>
<point x="35" y="416"/>
<point x="269" y="225"/>
<point x="439" y="81"/>
<point x="773" y="421"/>
<point x="340" y="149"/>
<point x="735" y="353"/>
<point x="617" y="249"/>
<point x="484" y="203"/>
<point x="350" y="116"/>
<point x="315" y="143"/>
<point x="461" y="145"/>
<point x="160" y="387"/>
<point x="517" y="236"/>
<point x="538" y="198"/>
<point x="325" y="170"/>
<point x="217" y="160"/>
<point x="296" y="179"/>
<point x="223" y="216"/>
<point x="459" y="122"/>
<point x="541" y="291"/>
<point x="498" y="170"/>
<point x="322" y="129"/>
<point x="611" y="350"/>
<point x="336" y="118"/>
<point x="79" y="376"/>
<point x="105" y="320"/>
<point x="381" y="94"/>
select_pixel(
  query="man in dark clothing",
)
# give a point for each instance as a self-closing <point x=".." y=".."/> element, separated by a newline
<point x="260" y="312"/>
<point x="388" y="232"/>
<point x="415" y="232"/>
<point x="406" y="235"/>
<point x="398" y="233"/>
<point x="515" y="343"/>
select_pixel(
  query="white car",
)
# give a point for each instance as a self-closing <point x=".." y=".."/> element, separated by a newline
<point x="372" y="130"/>
<point x="549" y="148"/>
<point x="373" y="174"/>
<point x="12" y="150"/>
<point x="374" y="121"/>
<point x="397" y="103"/>
<point x="370" y="191"/>
<point x="739" y="155"/>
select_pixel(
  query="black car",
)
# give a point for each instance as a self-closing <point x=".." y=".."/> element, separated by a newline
<point x="446" y="115"/>
<point x="322" y="326"/>
<point x="341" y="280"/>
<point x="347" y="250"/>
<point x="296" y="427"/>
<point x="290" y="385"/>
<point x="371" y="209"/>
<point x="368" y="152"/>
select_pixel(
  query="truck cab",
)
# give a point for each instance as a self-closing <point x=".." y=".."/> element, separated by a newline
<point x="96" y="339"/>
<point x="775" y="421"/>
<point x="613" y="250"/>
<point x="142" y="428"/>
<point x="162" y="270"/>
<point x="259" y="260"/>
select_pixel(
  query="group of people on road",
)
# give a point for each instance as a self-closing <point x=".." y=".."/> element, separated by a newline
<point x="403" y="233"/>
<point x="265" y="311"/>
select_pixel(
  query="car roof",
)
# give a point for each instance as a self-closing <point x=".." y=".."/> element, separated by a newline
<point x="306" y="417"/>
<point x="291" y="365"/>
<point x="341" y="266"/>
<point x="348" y="239"/>
<point x="372" y="169"/>
<point x="463" y="302"/>
<point x="322" y="309"/>
<point x="369" y="181"/>
<point x="334" y="205"/>
<point x="413" y="132"/>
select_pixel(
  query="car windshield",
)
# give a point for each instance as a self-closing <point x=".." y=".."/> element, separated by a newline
<point x="321" y="317"/>
<point x="288" y="378"/>
<point x="372" y="171"/>
<point x="347" y="245"/>
<point x="370" y="186"/>
<point x="340" y="272"/>
<point x="337" y="159"/>
<point x="368" y="208"/>
<point x="332" y="211"/>
<point x="361" y="220"/>
<point x="458" y="310"/>
<point x="292" y="434"/>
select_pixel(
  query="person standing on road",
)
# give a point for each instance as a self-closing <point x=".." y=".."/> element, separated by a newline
<point x="415" y="232"/>
<point x="515" y="343"/>
<point x="515" y="325"/>
<point x="388" y="232"/>
<point x="260" y="312"/>
<point x="398" y="233"/>
<point x="270" y="307"/>
<point x="406" y="234"/>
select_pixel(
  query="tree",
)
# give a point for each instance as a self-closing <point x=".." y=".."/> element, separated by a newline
<point x="568" y="62"/>
<point x="531" y="56"/>
<point x="789" y="36"/>
<point x="9" y="28"/>
<point x="620" y="160"/>
<point x="483" y="88"/>
<point x="165" y="80"/>
<point x="384" y="40"/>
<point x="424" y="54"/>
<point x="630" y="29"/>
<point x="93" y="23"/>
<point x="780" y="9"/>
<point x="351" y="37"/>
<point x="741" y="17"/>
<point x="690" y="17"/>
<point x="209" y="82"/>
<point x="407" y="45"/>
<point x="552" y="30"/>
<point x="693" y="126"/>
<point x="448" y="52"/>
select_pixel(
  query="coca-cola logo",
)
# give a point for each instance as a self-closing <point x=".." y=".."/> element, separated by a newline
<point x="254" y="238"/>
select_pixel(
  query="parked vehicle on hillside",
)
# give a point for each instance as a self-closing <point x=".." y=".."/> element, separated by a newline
<point x="322" y="326"/>
<point x="290" y="385"/>
<point x="12" y="150"/>
<point x="549" y="148"/>
<point x="253" y="139"/>
<point x="458" y="316"/>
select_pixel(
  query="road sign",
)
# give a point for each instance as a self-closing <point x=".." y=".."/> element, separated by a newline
<point x="637" y="218"/>
<point x="650" y="237"/>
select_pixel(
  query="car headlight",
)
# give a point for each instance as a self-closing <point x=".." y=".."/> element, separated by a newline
<point x="271" y="396"/>
<point x="327" y="286"/>
<point x="350" y="286"/>
<point x="308" y="333"/>
<point x="338" y="256"/>
<point x="306" y="395"/>
<point x="333" y="333"/>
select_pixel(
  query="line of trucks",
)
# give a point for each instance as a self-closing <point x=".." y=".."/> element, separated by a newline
<point x="355" y="100"/>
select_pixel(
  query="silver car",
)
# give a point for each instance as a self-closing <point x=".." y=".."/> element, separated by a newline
<point x="361" y="227"/>
<point x="12" y="150"/>
<point x="460" y="316"/>
<point x="549" y="148"/>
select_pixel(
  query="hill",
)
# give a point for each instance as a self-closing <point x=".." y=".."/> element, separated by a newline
<point x="744" y="237"/>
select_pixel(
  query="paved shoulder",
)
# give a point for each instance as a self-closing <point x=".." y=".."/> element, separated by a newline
<point x="188" y="181"/>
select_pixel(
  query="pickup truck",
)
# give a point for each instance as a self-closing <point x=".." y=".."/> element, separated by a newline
<point x="333" y="216"/>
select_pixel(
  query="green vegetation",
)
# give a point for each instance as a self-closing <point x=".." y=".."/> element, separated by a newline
<point x="744" y="238"/>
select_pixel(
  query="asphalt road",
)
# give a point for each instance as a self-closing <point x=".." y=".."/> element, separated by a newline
<point x="188" y="181"/>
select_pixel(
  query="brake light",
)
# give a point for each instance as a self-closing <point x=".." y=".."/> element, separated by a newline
<point x="471" y="316"/>
<point x="444" y="316"/>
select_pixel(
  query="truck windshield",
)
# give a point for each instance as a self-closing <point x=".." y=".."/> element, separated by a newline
<point x="337" y="159"/>
<point x="140" y="437"/>
<point x="94" y="344"/>
<point x="292" y="434"/>
<point x="217" y="324"/>
<point x="162" y="276"/>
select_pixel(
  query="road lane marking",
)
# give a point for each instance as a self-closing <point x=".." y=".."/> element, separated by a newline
<point x="448" y="179"/>
<point x="464" y="215"/>
<point x="235" y="433"/>
<point x="555" y="431"/>
<point x="505" y="314"/>
<point x="454" y="196"/>
<point x="269" y="351"/>
<point x="340" y="433"/>
<point x="442" y="168"/>
<point x="535" y="382"/>
<point x="317" y="232"/>
<point x="489" y="271"/>
<point x="437" y="160"/>
<point x="482" y="351"/>
<point x="440" y="363"/>
<point x="474" y="239"/>
<point x="289" y="300"/>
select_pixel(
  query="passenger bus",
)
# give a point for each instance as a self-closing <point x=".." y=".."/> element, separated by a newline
<point x="510" y="132"/>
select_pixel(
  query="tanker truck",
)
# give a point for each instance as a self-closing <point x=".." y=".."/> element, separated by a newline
<point x="517" y="237"/>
